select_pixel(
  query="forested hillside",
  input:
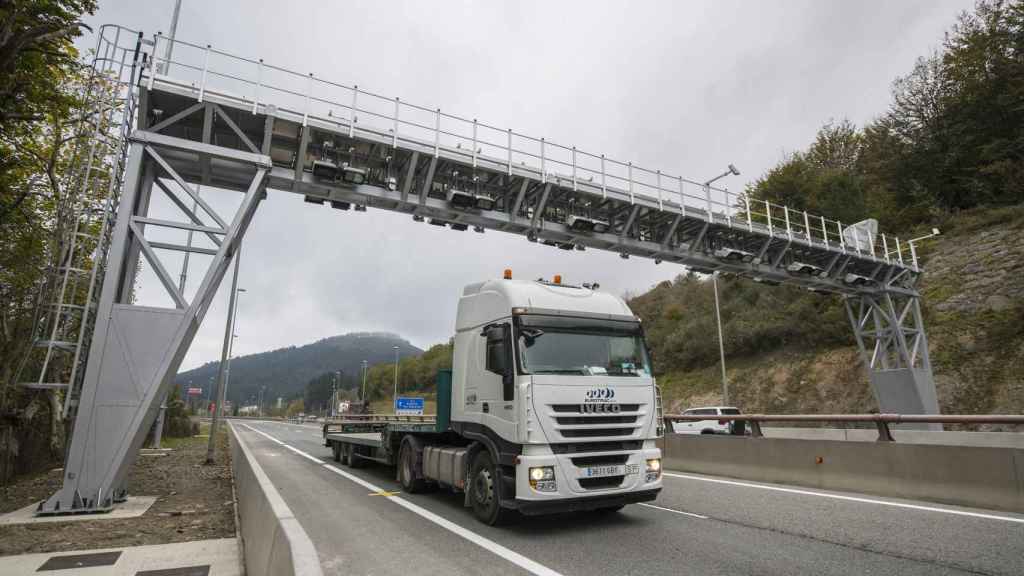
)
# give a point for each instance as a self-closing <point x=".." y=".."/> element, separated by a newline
<point x="285" y="372"/>
<point x="948" y="153"/>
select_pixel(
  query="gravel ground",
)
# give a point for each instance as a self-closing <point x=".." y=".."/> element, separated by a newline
<point x="195" y="502"/>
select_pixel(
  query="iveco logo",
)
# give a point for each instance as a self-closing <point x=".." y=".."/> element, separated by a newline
<point x="600" y="408"/>
<point x="600" y="394"/>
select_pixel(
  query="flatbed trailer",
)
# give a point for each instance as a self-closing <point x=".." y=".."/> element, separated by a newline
<point x="377" y="438"/>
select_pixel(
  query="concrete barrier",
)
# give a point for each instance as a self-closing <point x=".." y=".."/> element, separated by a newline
<point x="274" y="542"/>
<point x="945" y="438"/>
<point x="982" y="477"/>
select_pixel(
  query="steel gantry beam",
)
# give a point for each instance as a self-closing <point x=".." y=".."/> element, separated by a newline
<point x="231" y="129"/>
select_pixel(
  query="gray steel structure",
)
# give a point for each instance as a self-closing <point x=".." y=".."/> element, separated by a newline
<point x="234" y="125"/>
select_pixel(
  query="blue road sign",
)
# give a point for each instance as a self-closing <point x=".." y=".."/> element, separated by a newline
<point x="409" y="406"/>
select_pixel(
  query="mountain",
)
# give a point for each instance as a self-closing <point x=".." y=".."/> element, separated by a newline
<point x="285" y="371"/>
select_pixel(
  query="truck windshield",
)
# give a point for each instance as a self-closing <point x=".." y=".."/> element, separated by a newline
<point x="582" y="347"/>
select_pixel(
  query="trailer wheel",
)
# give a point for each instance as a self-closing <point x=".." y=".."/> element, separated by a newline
<point x="485" y="491"/>
<point x="351" y="460"/>
<point x="412" y="481"/>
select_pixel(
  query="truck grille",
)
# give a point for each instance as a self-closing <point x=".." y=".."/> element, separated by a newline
<point x="595" y="419"/>
<point x="572" y="422"/>
<point x="603" y="460"/>
<point x="598" y="483"/>
<point x="586" y="447"/>
<point x="597" y="432"/>
<point x="575" y="408"/>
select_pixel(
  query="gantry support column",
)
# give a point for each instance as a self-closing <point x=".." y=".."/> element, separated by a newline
<point x="136" y="350"/>
<point x="890" y="334"/>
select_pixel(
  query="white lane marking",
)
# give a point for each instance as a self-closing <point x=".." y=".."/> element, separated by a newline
<point x="268" y="436"/>
<point x="303" y="454"/>
<point x="485" y="543"/>
<point x="675" y="511"/>
<point x="849" y="498"/>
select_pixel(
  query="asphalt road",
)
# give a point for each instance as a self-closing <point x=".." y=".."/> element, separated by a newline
<point x="698" y="525"/>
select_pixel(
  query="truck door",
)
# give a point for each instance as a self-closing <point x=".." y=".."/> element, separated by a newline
<point x="497" y="378"/>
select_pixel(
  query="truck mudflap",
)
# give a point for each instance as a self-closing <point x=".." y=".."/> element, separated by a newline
<point x="534" y="507"/>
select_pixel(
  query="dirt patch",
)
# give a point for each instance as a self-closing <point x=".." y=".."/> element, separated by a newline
<point x="194" y="502"/>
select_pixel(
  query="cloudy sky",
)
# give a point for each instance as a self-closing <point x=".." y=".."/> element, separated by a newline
<point x="687" y="87"/>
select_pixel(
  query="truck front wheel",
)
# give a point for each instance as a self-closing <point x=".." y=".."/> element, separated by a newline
<point x="485" y="491"/>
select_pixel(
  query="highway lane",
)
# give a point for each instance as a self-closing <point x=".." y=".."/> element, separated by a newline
<point x="701" y="525"/>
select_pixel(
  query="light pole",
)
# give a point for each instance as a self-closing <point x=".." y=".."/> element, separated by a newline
<point x="363" y="395"/>
<point x="228" y="331"/>
<point x="395" y="401"/>
<point x="714" y="282"/>
<point x="334" y="394"/>
<point x="170" y="41"/>
<point x="231" y="345"/>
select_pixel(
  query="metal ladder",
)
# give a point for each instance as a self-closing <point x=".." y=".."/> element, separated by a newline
<point x="63" y="325"/>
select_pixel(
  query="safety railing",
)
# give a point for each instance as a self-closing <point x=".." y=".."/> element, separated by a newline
<point x="355" y="110"/>
<point x="881" y="421"/>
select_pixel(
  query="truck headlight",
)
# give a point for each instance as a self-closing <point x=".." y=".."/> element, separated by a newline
<point x="542" y="479"/>
<point x="653" y="469"/>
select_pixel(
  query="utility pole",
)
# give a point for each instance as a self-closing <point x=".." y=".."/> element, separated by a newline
<point x="363" y="395"/>
<point x="394" y="403"/>
<point x="228" y="331"/>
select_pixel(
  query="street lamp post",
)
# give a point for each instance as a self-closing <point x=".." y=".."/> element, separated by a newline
<point x="363" y="395"/>
<point x="714" y="281"/>
<point x="231" y="345"/>
<point x="395" y="401"/>
<point x="224" y="356"/>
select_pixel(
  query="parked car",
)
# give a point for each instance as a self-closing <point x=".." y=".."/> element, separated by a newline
<point x="710" y="426"/>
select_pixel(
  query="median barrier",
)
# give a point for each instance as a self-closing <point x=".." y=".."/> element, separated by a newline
<point x="984" y="477"/>
<point x="273" y="541"/>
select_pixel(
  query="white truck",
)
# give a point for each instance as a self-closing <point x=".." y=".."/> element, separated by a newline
<point x="550" y="406"/>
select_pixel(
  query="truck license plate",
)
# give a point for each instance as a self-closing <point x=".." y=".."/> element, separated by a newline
<point x="601" y="471"/>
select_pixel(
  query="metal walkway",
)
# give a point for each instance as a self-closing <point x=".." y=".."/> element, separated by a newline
<point x="233" y="124"/>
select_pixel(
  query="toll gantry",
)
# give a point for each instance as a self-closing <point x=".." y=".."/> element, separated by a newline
<point x="194" y="116"/>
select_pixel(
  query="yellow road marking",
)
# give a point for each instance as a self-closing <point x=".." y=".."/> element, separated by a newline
<point x="384" y="493"/>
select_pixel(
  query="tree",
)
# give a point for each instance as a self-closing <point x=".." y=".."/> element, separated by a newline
<point x="41" y="105"/>
<point x="295" y="407"/>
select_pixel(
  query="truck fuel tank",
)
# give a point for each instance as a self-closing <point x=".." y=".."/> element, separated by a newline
<point x="446" y="465"/>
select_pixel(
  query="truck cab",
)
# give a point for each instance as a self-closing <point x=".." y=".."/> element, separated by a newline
<point x="550" y="406"/>
<point x="556" y="381"/>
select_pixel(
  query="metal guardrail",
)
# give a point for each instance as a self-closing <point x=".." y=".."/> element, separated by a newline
<point x="881" y="421"/>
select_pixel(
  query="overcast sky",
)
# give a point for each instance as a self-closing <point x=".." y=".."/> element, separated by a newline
<point x="686" y="87"/>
